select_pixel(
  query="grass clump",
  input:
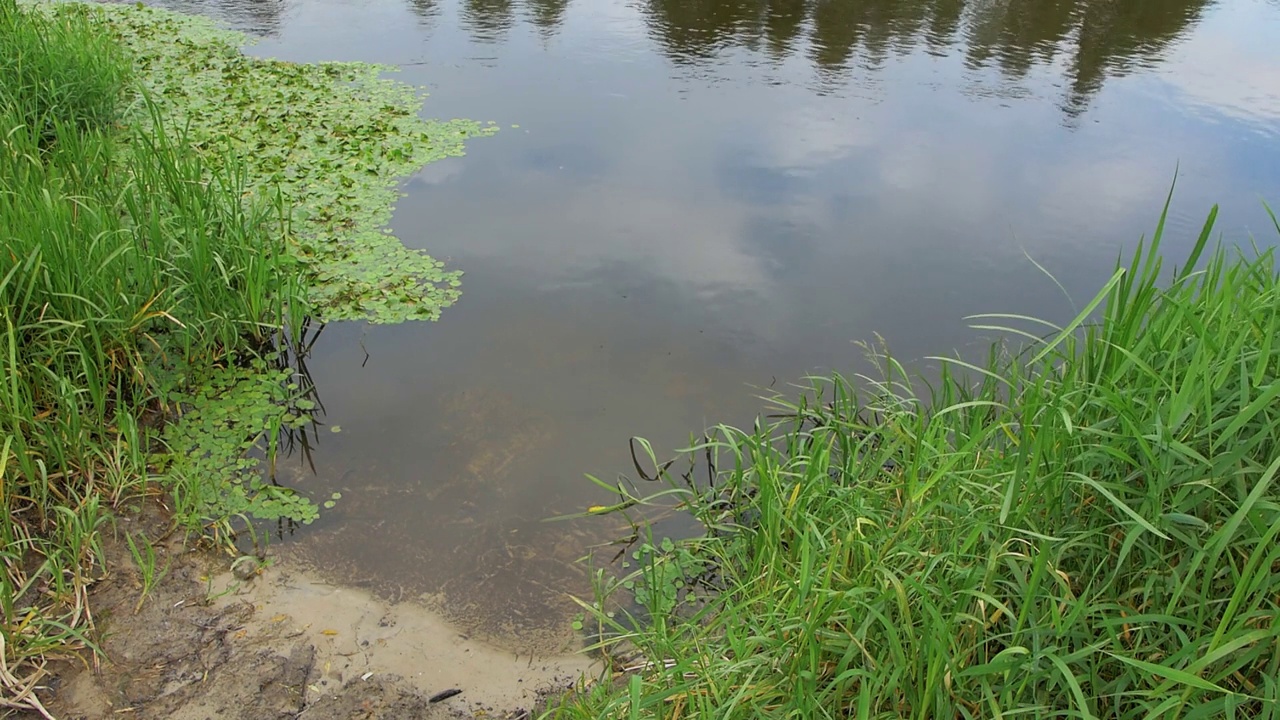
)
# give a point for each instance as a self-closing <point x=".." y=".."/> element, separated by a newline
<point x="130" y="267"/>
<point x="63" y="71"/>
<point x="1085" y="529"/>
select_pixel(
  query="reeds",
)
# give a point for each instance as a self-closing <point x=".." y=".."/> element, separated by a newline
<point x="1086" y="528"/>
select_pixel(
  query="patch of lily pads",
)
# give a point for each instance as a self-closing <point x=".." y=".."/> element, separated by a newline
<point x="333" y="139"/>
<point x="213" y="472"/>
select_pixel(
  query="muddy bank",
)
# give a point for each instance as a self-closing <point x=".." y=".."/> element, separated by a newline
<point x="287" y="643"/>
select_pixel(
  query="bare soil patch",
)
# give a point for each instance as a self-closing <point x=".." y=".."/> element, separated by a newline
<point x="284" y="643"/>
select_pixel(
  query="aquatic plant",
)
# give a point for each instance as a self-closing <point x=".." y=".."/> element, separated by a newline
<point x="1084" y="527"/>
<point x="333" y="138"/>
<point x="225" y="419"/>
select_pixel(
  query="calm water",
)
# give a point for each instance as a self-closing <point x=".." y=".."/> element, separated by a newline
<point x="710" y="196"/>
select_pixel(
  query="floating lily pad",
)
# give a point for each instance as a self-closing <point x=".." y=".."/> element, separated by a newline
<point x="333" y="139"/>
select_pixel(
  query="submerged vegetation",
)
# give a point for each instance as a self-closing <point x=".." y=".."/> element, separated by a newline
<point x="1085" y="528"/>
<point x="171" y="213"/>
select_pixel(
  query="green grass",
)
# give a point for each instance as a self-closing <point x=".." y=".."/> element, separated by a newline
<point x="63" y="72"/>
<point x="1084" y="528"/>
<point x="150" y="573"/>
<point x="130" y="267"/>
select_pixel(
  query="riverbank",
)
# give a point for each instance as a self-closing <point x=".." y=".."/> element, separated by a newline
<point x="134" y="268"/>
<point x="1083" y="526"/>
<point x="283" y="640"/>
<point x="893" y="552"/>
<point x="174" y="214"/>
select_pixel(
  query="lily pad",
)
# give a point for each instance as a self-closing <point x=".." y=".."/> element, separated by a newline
<point x="332" y="139"/>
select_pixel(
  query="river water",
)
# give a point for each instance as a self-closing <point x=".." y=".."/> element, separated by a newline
<point x="706" y="198"/>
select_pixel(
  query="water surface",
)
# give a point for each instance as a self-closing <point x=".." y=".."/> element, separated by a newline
<point x="708" y="197"/>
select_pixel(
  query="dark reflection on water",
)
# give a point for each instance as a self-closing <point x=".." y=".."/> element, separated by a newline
<point x="708" y="198"/>
<point x="488" y="20"/>
<point x="1092" y="38"/>
<point x="427" y="10"/>
<point x="546" y="15"/>
<point x="1087" y="40"/>
<point x="254" y="17"/>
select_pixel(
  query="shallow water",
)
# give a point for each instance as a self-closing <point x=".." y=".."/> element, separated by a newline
<point x="705" y="197"/>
